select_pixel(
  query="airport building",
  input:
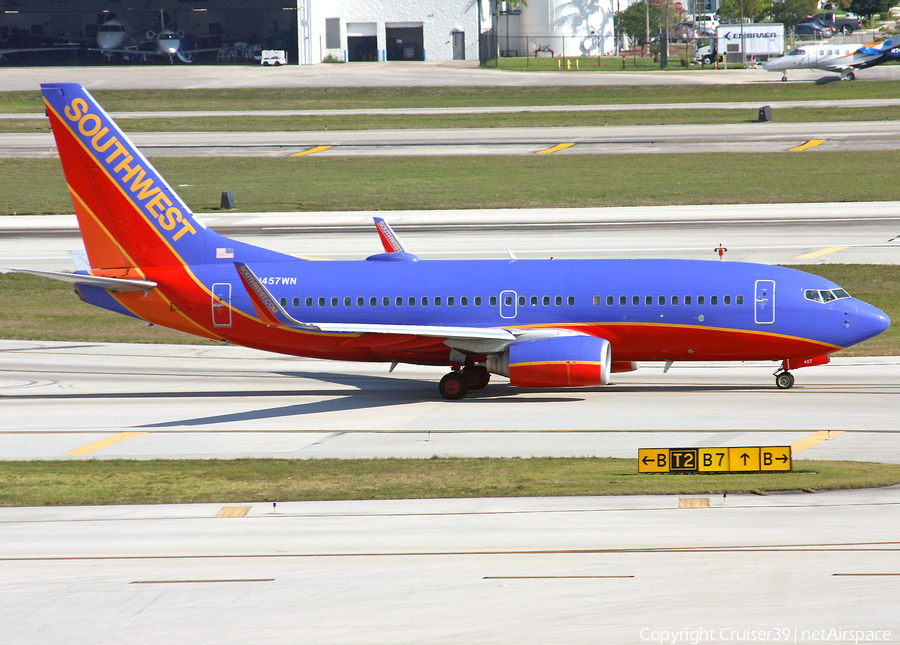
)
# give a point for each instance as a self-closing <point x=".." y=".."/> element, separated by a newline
<point x="84" y="32"/>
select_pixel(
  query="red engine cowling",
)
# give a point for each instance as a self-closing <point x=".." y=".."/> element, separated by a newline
<point x="564" y="361"/>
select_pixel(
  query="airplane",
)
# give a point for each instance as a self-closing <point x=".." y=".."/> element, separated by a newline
<point x="540" y="323"/>
<point x="837" y="58"/>
<point x="111" y="37"/>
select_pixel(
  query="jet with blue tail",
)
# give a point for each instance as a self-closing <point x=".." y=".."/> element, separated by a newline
<point x="845" y="59"/>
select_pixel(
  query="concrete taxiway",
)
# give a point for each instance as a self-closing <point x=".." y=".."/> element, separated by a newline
<point x="656" y="139"/>
<point x="566" y="570"/>
<point x="94" y="400"/>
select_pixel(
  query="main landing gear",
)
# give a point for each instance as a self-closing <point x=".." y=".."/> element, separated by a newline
<point x="849" y="76"/>
<point x="784" y="380"/>
<point x="457" y="384"/>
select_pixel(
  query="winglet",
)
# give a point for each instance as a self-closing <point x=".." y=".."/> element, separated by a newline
<point x="389" y="239"/>
<point x="266" y="305"/>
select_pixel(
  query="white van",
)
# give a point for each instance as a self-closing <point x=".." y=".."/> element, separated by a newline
<point x="273" y="57"/>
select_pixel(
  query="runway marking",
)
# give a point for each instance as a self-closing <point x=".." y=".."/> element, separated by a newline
<point x="820" y="253"/>
<point x="311" y="151"/>
<point x="874" y="575"/>
<point x="103" y="443"/>
<point x="233" y="511"/>
<point x="194" y="582"/>
<point x="814" y="440"/>
<point x="812" y="143"/>
<point x="556" y="148"/>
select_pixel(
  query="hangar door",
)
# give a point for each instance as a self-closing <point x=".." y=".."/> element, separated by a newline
<point x="362" y="43"/>
<point x="405" y="40"/>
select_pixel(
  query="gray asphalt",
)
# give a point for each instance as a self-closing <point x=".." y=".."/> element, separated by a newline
<point x="790" y="567"/>
<point x="747" y="137"/>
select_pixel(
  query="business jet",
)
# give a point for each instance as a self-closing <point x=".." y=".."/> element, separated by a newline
<point x="837" y="58"/>
<point x="539" y="323"/>
<point x="112" y="35"/>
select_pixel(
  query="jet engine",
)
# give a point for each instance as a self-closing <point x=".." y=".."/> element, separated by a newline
<point x="565" y="361"/>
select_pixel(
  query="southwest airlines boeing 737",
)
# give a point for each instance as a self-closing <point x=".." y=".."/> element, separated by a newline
<point x="541" y="323"/>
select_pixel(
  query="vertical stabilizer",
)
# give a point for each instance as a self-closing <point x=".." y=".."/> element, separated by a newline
<point x="129" y="216"/>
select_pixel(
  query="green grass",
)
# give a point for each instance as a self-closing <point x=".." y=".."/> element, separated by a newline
<point x="396" y="97"/>
<point x="41" y="309"/>
<point x="29" y="186"/>
<point x="83" y="483"/>
<point x="431" y="121"/>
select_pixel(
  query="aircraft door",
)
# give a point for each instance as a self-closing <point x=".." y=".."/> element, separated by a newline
<point x="221" y="304"/>
<point x="508" y="304"/>
<point x="764" y="313"/>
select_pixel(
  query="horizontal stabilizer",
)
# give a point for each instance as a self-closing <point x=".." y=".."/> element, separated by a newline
<point x="270" y="311"/>
<point x="113" y="284"/>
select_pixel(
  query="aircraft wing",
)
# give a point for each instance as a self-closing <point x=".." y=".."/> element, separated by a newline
<point x="272" y="313"/>
<point x="113" y="284"/>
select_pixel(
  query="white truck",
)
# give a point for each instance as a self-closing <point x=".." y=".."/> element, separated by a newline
<point x="760" y="42"/>
<point x="273" y="58"/>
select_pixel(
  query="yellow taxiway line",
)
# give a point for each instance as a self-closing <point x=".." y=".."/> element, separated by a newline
<point x="103" y="443"/>
<point x="812" y="143"/>
<point x="814" y="440"/>
<point x="556" y="148"/>
<point x="311" y="151"/>
<point x="820" y="253"/>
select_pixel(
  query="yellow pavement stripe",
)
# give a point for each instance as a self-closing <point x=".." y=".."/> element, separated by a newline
<point x="104" y="443"/>
<point x="311" y="151"/>
<point x="814" y="440"/>
<point x="233" y="511"/>
<point x="820" y="253"/>
<point x="556" y="148"/>
<point x="812" y="143"/>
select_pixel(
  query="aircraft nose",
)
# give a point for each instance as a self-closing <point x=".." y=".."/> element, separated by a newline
<point x="870" y="321"/>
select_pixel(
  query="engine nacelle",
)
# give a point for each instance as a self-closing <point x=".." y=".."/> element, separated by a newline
<point x="618" y="367"/>
<point x="566" y="361"/>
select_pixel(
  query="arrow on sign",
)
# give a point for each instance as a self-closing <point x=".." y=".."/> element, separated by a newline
<point x="745" y="457"/>
<point x="647" y="460"/>
<point x="782" y="458"/>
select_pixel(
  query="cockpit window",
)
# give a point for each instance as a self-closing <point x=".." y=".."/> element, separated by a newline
<point x="823" y="295"/>
<point x="797" y="52"/>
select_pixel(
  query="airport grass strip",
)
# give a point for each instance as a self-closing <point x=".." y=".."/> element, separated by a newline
<point x="36" y="308"/>
<point x="563" y="180"/>
<point x="95" y="482"/>
<point x="334" y="123"/>
<point x="322" y="98"/>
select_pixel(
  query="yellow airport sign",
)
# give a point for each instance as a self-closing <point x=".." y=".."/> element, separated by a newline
<point x="653" y="460"/>
<point x="749" y="459"/>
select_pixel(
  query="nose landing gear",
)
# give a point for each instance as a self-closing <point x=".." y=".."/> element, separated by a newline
<point x="784" y="380"/>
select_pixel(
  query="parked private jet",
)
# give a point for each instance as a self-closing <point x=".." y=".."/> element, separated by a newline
<point x="112" y="36"/>
<point x="837" y="58"/>
<point x="540" y="323"/>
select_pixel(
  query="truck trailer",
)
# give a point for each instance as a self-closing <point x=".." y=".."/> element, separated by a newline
<point x="760" y="43"/>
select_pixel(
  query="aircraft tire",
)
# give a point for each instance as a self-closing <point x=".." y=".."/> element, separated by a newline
<point x="784" y="381"/>
<point x="476" y="376"/>
<point x="453" y="386"/>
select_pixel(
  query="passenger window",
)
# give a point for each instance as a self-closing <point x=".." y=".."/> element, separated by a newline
<point x="437" y="301"/>
<point x="623" y="300"/>
<point x="347" y="302"/>
<point x="373" y="301"/>
<point x="557" y="301"/>
<point x="713" y="300"/>
<point x="546" y="301"/>
<point x="635" y="300"/>
<point x="296" y="302"/>
<point x="534" y="301"/>
<point x="739" y="300"/>
<point x="609" y="301"/>
<point x="398" y="301"/>
<point x="334" y="302"/>
<point x="493" y="301"/>
<point x="674" y="300"/>
<point x="507" y="300"/>
<point x="701" y="300"/>
<point x="309" y="302"/>
<point x="464" y="301"/>
<point x="478" y="301"/>
<point x="451" y="301"/>
<point x="661" y="300"/>
<point x="385" y="301"/>
<point x="424" y="301"/>
<point x="412" y="301"/>
<point x="648" y="300"/>
<point x="726" y="300"/>
<point x="360" y="301"/>
<point x="321" y="302"/>
<point x="283" y="302"/>
<point x="521" y="301"/>
<point x="570" y="301"/>
<point x="687" y="300"/>
<point x="596" y="300"/>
